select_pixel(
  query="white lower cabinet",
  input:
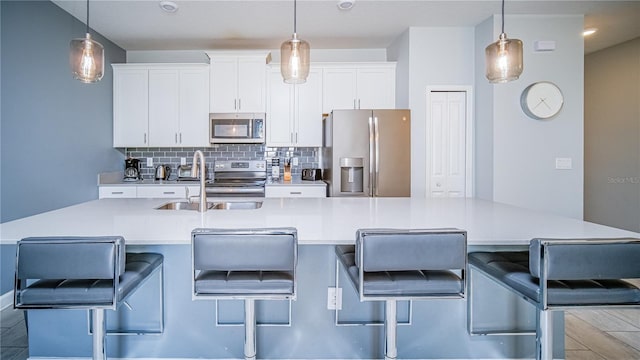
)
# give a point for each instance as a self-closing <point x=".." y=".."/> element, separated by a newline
<point x="162" y="192"/>
<point x="273" y="191"/>
<point x="144" y="192"/>
<point x="112" y="192"/>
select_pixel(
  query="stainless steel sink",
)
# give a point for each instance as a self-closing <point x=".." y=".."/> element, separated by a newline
<point x="182" y="205"/>
<point x="226" y="205"/>
<point x="237" y="205"/>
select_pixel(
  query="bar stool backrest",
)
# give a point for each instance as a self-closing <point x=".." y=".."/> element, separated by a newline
<point x="403" y="250"/>
<point x="556" y="259"/>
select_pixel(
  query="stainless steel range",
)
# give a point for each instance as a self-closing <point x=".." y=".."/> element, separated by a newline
<point x="238" y="178"/>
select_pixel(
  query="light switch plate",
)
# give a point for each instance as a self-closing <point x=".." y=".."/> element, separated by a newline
<point x="149" y="162"/>
<point x="564" y="164"/>
<point x="334" y="298"/>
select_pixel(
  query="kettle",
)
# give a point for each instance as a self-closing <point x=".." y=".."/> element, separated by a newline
<point x="163" y="172"/>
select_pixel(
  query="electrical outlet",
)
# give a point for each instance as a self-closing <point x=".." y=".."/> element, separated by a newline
<point x="334" y="298"/>
<point x="295" y="161"/>
<point x="149" y="162"/>
<point x="183" y="161"/>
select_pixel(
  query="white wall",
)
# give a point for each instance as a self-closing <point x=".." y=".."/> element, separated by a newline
<point x="437" y="56"/>
<point x="398" y="51"/>
<point x="524" y="150"/>
<point x="612" y="136"/>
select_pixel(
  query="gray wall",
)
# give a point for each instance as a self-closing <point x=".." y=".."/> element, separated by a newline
<point x="56" y="132"/>
<point x="612" y="136"/>
<point x="524" y="150"/>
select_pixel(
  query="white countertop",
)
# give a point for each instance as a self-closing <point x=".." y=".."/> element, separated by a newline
<point x="318" y="220"/>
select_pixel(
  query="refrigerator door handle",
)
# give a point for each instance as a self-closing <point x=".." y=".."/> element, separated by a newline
<point x="377" y="155"/>
<point x="372" y="159"/>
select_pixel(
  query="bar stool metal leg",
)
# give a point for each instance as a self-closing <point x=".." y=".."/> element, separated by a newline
<point x="249" y="329"/>
<point x="544" y="335"/>
<point x="390" y="324"/>
<point x="99" y="331"/>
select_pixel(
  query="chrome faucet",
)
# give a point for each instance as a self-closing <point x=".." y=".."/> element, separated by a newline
<point x="198" y="155"/>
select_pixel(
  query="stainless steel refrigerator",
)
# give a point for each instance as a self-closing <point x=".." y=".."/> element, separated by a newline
<point x="367" y="153"/>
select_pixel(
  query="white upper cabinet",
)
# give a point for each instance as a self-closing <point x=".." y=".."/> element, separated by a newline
<point x="160" y="105"/>
<point x="238" y="83"/>
<point x="359" y="86"/>
<point x="130" y="106"/>
<point x="294" y="112"/>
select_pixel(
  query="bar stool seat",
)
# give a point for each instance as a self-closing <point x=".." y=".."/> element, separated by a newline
<point x="93" y="273"/>
<point x="244" y="282"/>
<point x="405" y="264"/>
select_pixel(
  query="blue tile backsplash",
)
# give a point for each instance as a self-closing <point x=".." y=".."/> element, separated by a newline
<point x="307" y="157"/>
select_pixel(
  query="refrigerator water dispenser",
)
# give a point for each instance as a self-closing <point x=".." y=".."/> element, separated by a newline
<point x="351" y="174"/>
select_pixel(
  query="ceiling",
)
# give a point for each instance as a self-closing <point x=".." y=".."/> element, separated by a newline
<point x="370" y="24"/>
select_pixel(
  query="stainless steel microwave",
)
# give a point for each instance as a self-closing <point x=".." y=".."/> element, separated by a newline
<point x="236" y="128"/>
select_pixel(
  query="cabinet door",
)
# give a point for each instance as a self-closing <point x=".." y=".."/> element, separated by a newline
<point x="376" y="88"/>
<point x="130" y="107"/>
<point x="279" y="112"/>
<point x="164" y="107"/>
<point x="251" y="84"/>
<point x="223" y="84"/>
<point x="339" y="89"/>
<point x="308" y="111"/>
<point x="194" y="107"/>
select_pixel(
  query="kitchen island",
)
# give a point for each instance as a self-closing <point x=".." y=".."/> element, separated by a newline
<point x="434" y="329"/>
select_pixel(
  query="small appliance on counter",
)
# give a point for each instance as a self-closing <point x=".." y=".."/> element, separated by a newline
<point x="184" y="173"/>
<point x="163" y="172"/>
<point x="311" y="174"/>
<point x="132" y="170"/>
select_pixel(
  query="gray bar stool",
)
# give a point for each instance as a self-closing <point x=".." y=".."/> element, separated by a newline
<point x="390" y="265"/>
<point x="246" y="264"/>
<point x="557" y="275"/>
<point x="93" y="273"/>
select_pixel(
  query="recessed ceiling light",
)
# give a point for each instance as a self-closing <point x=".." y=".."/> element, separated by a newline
<point x="169" y="6"/>
<point x="589" y="31"/>
<point x="345" y="5"/>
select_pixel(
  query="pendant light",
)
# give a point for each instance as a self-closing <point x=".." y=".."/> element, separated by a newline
<point x="504" y="58"/>
<point x="294" y="57"/>
<point x="86" y="57"/>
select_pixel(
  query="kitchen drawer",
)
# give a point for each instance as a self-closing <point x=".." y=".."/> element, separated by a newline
<point x="162" y="192"/>
<point x="295" y="191"/>
<point x="106" y="192"/>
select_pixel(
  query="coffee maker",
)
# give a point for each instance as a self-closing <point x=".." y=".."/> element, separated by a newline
<point x="132" y="170"/>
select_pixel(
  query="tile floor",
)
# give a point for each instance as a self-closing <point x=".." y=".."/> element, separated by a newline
<point x="590" y="335"/>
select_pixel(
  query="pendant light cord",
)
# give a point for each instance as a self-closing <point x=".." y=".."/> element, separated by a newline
<point x="502" y="16"/>
<point x="294" y="16"/>
<point x="87" y="16"/>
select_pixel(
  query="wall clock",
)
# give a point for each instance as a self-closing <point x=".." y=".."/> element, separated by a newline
<point x="541" y="100"/>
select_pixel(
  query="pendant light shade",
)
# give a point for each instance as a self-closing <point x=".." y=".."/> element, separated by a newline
<point x="294" y="57"/>
<point x="86" y="57"/>
<point x="504" y="58"/>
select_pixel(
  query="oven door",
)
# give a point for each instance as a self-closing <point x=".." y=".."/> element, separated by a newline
<point x="236" y="128"/>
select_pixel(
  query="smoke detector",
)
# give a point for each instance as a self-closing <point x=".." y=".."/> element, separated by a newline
<point x="169" y="6"/>
<point x="345" y="4"/>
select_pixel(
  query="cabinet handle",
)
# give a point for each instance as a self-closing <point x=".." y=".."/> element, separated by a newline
<point x="176" y="138"/>
<point x="235" y="104"/>
<point x="296" y="137"/>
<point x="354" y="104"/>
<point x="358" y="103"/>
<point x="180" y="138"/>
<point x="295" y="192"/>
<point x="169" y="192"/>
<point x="145" y="138"/>
<point x="291" y="137"/>
<point x="239" y="104"/>
<point x="117" y="192"/>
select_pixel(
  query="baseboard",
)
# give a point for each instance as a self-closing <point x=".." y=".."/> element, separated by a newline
<point x="6" y="300"/>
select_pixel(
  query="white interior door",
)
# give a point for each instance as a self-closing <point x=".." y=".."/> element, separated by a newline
<point x="446" y="144"/>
